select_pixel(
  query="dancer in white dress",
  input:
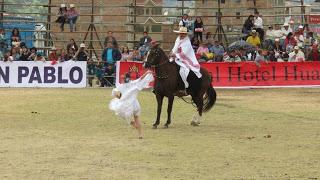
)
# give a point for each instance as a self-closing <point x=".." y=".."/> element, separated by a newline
<point x="125" y="104"/>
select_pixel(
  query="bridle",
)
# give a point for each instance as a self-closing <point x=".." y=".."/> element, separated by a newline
<point x="157" y="66"/>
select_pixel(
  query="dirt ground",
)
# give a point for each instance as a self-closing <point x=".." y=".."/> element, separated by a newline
<point x="71" y="134"/>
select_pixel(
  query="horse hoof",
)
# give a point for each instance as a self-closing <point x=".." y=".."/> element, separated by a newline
<point x="154" y="127"/>
<point x="194" y="123"/>
<point x="166" y="126"/>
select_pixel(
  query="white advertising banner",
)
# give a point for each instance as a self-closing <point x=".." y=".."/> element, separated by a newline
<point x="69" y="74"/>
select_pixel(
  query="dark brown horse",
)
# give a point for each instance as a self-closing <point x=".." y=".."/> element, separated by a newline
<point x="167" y="79"/>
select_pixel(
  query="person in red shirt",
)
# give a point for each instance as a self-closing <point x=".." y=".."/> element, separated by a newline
<point x="314" y="54"/>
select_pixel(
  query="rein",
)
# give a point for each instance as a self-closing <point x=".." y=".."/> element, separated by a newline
<point x="156" y="67"/>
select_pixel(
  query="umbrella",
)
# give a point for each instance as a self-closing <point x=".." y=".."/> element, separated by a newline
<point x="240" y="45"/>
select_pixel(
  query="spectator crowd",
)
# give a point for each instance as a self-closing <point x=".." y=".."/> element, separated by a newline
<point x="286" y="42"/>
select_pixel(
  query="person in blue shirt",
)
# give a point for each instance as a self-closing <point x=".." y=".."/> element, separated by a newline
<point x="110" y="55"/>
<point x="218" y="50"/>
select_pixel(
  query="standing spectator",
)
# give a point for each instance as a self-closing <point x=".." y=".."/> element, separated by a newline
<point x="112" y="39"/>
<point x="72" y="15"/>
<point x="15" y="37"/>
<point x="81" y="54"/>
<point x="296" y="55"/>
<point x="110" y="55"/>
<point x="62" y="16"/>
<point x="198" y="28"/>
<point x="126" y="54"/>
<point x="110" y="75"/>
<point x="248" y="26"/>
<point x="218" y="50"/>
<point x="254" y="39"/>
<point x="72" y="44"/>
<point x="145" y="40"/>
<point x="258" y="24"/>
<point x="185" y="21"/>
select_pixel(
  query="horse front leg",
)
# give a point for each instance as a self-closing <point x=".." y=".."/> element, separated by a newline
<point x="159" y="101"/>
<point x="169" y="110"/>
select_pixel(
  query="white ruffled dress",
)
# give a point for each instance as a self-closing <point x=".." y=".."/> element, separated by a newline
<point x="128" y="105"/>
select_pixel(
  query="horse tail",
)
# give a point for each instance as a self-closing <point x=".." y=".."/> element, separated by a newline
<point x="210" y="99"/>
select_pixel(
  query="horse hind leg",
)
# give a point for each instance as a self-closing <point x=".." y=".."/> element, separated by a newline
<point x="159" y="101"/>
<point x="197" y="116"/>
<point x="169" y="110"/>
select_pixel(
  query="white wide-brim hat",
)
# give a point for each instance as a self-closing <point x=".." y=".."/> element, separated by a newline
<point x="71" y="5"/>
<point x="182" y="30"/>
<point x="62" y="5"/>
<point x="285" y="24"/>
<point x="82" y="45"/>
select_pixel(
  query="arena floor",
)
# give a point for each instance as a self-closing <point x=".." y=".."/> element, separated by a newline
<point x="71" y="134"/>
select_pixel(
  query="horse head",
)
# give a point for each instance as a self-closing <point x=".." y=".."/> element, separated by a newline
<point x="154" y="57"/>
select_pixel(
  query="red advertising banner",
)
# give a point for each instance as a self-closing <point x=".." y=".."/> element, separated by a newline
<point x="314" y="19"/>
<point x="245" y="74"/>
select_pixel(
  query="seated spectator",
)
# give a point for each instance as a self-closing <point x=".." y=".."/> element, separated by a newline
<point x="314" y="55"/>
<point x="39" y="57"/>
<point x="285" y="30"/>
<point x="195" y="43"/>
<point x="289" y="42"/>
<point x="276" y="52"/>
<point x="25" y="53"/>
<point x="126" y="54"/>
<point x="143" y="51"/>
<point x="15" y="37"/>
<point x="15" y="53"/>
<point x="299" y="36"/>
<point x="3" y="41"/>
<point x="297" y="55"/>
<point x="277" y="32"/>
<point x="218" y="50"/>
<point x="7" y="57"/>
<point x="62" y="16"/>
<point x="135" y="55"/>
<point x="53" y="56"/>
<point x="99" y="71"/>
<point x="72" y="16"/>
<point x="81" y="54"/>
<point x="70" y="54"/>
<point x="145" y="40"/>
<point x="110" y="55"/>
<point x="91" y="69"/>
<point x="202" y="52"/>
<point x="33" y="54"/>
<point x="110" y="75"/>
<point x="259" y="58"/>
<point x="269" y="33"/>
<point x="61" y="55"/>
<point x="112" y="39"/>
<point x="72" y="44"/>
<point x="231" y="57"/>
<point x="254" y="39"/>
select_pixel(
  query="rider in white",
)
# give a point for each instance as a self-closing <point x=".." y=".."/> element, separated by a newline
<point x="183" y="54"/>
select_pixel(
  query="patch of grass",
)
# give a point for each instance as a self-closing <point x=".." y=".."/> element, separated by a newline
<point x="71" y="134"/>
